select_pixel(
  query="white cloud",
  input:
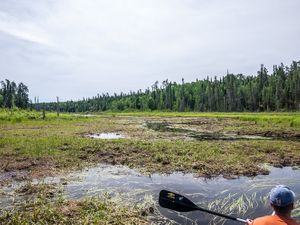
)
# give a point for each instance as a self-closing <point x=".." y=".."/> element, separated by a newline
<point x="23" y="35"/>
<point x="76" y="48"/>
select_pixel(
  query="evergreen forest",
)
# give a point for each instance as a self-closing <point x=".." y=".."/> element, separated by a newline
<point x="276" y="91"/>
<point x="13" y="95"/>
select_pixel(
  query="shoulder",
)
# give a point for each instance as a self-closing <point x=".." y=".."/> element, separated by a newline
<point x="266" y="218"/>
<point x="273" y="219"/>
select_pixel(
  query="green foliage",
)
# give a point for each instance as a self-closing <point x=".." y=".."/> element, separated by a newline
<point x="278" y="91"/>
<point x="13" y="95"/>
<point x="16" y="115"/>
<point x="295" y="122"/>
<point x="1" y="99"/>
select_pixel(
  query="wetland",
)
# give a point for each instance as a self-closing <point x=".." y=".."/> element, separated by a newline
<point x="90" y="168"/>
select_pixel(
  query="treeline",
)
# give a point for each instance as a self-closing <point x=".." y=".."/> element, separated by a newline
<point x="276" y="91"/>
<point x="13" y="95"/>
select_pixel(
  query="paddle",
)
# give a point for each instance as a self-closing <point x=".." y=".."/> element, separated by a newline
<point x="179" y="203"/>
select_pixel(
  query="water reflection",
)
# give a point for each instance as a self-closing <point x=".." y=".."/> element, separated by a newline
<point x="106" y="136"/>
<point x="244" y="197"/>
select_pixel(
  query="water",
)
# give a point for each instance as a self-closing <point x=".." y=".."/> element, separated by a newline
<point x="193" y="134"/>
<point x="225" y="136"/>
<point x="84" y="115"/>
<point x="219" y="193"/>
<point x="244" y="197"/>
<point x="106" y="136"/>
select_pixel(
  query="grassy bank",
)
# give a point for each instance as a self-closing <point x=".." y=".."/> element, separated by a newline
<point x="31" y="146"/>
<point x="42" y="210"/>
<point x="59" y="143"/>
<point x="288" y="118"/>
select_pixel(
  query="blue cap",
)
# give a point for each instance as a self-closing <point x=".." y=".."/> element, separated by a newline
<point x="281" y="196"/>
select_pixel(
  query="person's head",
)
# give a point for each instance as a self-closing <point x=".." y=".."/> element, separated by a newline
<point x="282" y="199"/>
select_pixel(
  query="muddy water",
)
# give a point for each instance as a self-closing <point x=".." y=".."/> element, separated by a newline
<point x="202" y="135"/>
<point x="106" y="136"/>
<point x="244" y="197"/>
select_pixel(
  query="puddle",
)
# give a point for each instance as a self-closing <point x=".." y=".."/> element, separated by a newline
<point x="7" y="177"/>
<point x="106" y="136"/>
<point x="192" y="134"/>
<point x="83" y="115"/>
<point x="216" y="136"/>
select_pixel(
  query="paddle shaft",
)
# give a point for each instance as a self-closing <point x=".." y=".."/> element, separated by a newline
<point x="222" y="215"/>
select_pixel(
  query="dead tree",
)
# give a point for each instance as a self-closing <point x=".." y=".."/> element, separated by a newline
<point x="57" y="107"/>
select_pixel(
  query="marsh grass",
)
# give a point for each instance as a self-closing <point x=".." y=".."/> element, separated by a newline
<point x="296" y="211"/>
<point x="58" y="144"/>
<point x="19" y="115"/>
<point x="40" y="189"/>
<point x="96" y="210"/>
<point x="291" y="119"/>
<point x="243" y="205"/>
<point x="236" y="204"/>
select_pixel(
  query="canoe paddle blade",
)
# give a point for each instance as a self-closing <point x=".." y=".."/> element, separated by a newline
<point x="177" y="202"/>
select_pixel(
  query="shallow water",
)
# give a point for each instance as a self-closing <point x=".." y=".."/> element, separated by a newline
<point x="244" y="197"/>
<point x="193" y="134"/>
<point x="106" y="136"/>
<point x="225" y="136"/>
<point x="84" y="115"/>
<point x="218" y="194"/>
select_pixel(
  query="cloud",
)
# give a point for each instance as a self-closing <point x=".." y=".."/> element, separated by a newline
<point x="76" y="48"/>
<point x="23" y="30"/>
<point x="23" y="35"/>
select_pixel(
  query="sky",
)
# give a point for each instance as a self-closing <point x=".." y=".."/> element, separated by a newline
<point x="79" y="48"/>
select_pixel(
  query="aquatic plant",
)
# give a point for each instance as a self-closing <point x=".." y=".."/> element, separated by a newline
<point x="236" y="204"/>
<point x="88" y="211"/>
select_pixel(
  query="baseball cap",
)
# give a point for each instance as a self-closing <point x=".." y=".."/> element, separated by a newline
<point x="281" y="196"/>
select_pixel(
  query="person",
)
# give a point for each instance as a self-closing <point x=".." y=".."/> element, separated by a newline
<point x="282" y="201"/>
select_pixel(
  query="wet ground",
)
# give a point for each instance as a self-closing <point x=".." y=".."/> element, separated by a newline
<point x="195" y="129"/>
<point x="204" y="129"/>
<point x="244" y="197"/>
<point x="106" y="136"/>
<point x="208" y="147"/>
<point x="194" y="134"/>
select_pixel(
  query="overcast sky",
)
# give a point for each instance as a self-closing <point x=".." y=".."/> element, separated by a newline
<point x="78" y="48"/>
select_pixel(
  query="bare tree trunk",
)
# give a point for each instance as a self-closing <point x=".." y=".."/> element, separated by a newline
<point x="57" y="108"/>
<point x="44" y="113"/>
<point x="38" y="104"/>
